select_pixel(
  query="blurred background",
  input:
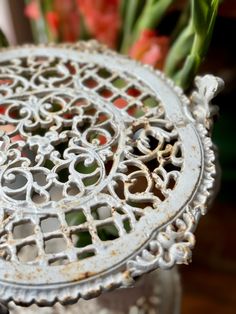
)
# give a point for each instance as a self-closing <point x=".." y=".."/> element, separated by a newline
<point x="144" y="34"/>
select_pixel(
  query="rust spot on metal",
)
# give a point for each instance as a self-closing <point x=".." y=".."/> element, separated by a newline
<point x="146" y="150"/>
<point x="85" y="275"/>
<point x="127" y="275"/>
<point x="113" y="253"/>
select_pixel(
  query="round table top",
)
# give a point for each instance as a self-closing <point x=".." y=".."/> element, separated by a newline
<point x="105" y="169"/>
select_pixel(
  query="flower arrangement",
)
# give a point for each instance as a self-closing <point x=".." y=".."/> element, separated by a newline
<point x="133" y="27"/>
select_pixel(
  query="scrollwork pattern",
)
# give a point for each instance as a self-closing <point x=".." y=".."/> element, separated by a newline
<point x="80" y="137"/>
<point x="43" y="124"/>
<point x="87" y="138"/>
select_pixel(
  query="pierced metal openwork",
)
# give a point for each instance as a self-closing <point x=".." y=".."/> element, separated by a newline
<point x="104" y="171"/>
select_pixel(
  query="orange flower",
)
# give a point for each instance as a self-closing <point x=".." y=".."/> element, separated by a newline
<point x="52" y="19"/>
<point x="150" y="49"/>
<point x="32" y="10"/>
<point x="69" y="19"/>
<point x="102" y="18"/>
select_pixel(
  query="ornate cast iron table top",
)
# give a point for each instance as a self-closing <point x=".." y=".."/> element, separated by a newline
<point x="105" y="169"/>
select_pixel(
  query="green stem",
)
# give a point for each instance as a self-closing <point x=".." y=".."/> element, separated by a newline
<point x="212" y="18"/>
<point x="184" y="77"/>
<point x="191" y="46"/>
<point x="84" y="33"/>
<point x="182" y="22"/>
<point x="153" y="12"/>
<point x="129" y="18"/>
<point x="38" y="27"/>
<point x="179" y="50"/>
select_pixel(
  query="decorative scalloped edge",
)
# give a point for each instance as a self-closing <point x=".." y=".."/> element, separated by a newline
<point x="64" y="295"/>
<point x="173" y="244"/>
<point x="170" y="245"/>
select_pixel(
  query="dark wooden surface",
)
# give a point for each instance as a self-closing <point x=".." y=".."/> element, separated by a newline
<point x="209" y="282"/>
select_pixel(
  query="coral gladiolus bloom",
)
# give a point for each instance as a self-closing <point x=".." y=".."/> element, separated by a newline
<point x="32" y="10"/>
<point x="52" y="19"/>
<point x="150" y="48"/>
<point x="68" y="19"/>
<point x="102" y="19"/>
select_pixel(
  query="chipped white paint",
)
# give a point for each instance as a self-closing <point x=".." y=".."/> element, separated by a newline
<point x="90" y="134"/>
<point x="155" y="293"/>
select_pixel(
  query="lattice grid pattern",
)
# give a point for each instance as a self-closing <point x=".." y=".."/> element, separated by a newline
<point x="86" y="151"/>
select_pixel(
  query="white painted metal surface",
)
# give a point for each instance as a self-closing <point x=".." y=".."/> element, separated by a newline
<point x="105" y="169"/>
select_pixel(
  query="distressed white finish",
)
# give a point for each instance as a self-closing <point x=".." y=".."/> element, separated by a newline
<point x="155" y="293"/>
<point x="90" y="134"/>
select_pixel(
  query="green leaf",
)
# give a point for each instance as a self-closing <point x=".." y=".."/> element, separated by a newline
<point x="212" y="17"/>
<point x="193" y="49"/>
<point x="151" y="16"/>
<point x="123" y="8"/>
<point x="180" y="49"/>
<point x="129" y="18"/>
<point x="188" y="71"/>
<point x="200" y="10"/>
<point x="182" y="22"/>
